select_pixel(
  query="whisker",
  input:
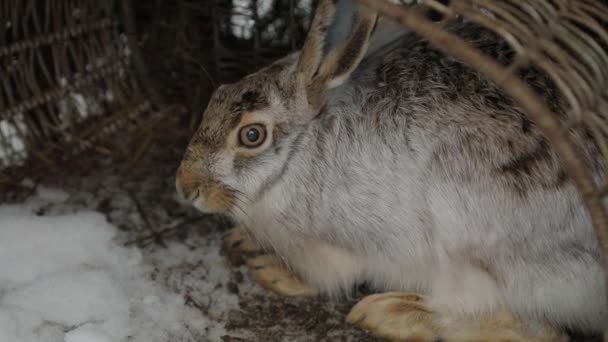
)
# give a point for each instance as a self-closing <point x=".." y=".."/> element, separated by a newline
<point x="241" y="201"/>
<point x="240" y="197"/>
<point x="241" y="193"/>
<point x="241" y="210"/>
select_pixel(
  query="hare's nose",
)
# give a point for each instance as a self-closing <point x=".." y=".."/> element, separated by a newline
<point x="187" y="191"/>
<point x="188" y="194"/>
<point x="180" y="189"/>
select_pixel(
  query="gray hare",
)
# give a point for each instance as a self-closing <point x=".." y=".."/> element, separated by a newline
<point x="402" y="168"/>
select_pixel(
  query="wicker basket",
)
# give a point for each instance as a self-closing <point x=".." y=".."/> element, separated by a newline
<point x="67" y="81"/>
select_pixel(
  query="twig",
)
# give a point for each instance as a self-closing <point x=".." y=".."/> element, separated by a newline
<point x="140" y="209"/>
<point x="144" y="216"/>
<point x="203" y="309"/>
<point x="163" y="232"/>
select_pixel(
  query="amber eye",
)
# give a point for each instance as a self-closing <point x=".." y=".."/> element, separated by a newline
<point x="252" y="135"/>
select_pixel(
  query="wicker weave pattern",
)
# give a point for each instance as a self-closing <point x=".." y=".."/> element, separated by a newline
<point x="64" y="63"/>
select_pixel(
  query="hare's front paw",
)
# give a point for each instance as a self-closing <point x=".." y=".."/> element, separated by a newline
<point x="271" y="273"/>
<point x="403" y="316"/>
<point x="268" y="270"/>
<point x="239" y="240"/>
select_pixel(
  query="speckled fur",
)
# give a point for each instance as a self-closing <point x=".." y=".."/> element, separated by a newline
<point x="416" y="174"/>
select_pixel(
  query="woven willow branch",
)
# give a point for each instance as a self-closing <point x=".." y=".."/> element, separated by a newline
<point x="65" y="65"/>
<point x="542" y="33"/>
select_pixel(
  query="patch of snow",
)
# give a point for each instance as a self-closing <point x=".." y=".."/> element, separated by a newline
<point x="242" y="19"/>
<point x="304" y="5"/>
<point x="75" y="106"/>
<point x="264" y="7"/>
<point x="12" y="145"/>
<point x="47" y="194"/>
<point x="27" y="182"/>
<point x="125" y="45"/>
<point x="64" y="278"/>
<point x="109" y="95"/>
<point x="80" y="103"/>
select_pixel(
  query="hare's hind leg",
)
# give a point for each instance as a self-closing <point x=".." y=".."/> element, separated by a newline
<point x="463" y="304"/>
<point x="396" y="315"/>
<point x="402" y="316"/>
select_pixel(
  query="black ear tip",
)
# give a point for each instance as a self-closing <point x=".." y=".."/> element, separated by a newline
<point x="376" y="23"/>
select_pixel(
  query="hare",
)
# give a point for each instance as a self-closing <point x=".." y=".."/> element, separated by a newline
<point x="404" y="169"/>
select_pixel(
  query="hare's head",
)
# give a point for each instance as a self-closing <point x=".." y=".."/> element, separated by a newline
<point x="250" y="127"/>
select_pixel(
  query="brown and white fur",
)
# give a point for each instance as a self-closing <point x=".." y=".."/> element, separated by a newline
<point x="409" y="171"/>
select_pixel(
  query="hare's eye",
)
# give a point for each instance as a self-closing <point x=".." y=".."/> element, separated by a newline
<point x="252" y="135"/>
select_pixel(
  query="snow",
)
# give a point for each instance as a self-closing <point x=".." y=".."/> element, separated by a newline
<point x="87" y="333"/>
<point x="14" y="152"/>
<point x="80" y="104"/>
<point x="64" y="277"/>
<point x="126" y="51"/>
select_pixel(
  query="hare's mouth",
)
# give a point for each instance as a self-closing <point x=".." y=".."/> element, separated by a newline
<point x="195" y="196"/>
<point x="213" y="199"/>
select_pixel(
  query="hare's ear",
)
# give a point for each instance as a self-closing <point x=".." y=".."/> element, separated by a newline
<point x="336" y="43"/>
